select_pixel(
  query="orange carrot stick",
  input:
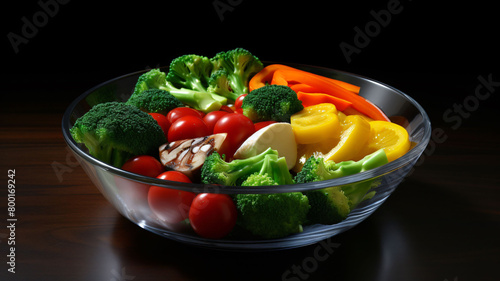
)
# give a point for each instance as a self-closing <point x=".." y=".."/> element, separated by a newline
<point x="345" y="85"/>
<point x="328" y="87"/>
<point x="265" y="76"/>
<point x="309" y="99"/>
<point x="303" y="88"/>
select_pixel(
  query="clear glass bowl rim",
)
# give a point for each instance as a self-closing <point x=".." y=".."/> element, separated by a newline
<point x="406" y="159"/>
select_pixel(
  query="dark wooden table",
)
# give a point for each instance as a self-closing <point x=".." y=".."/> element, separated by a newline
<point x="442" y="223"/>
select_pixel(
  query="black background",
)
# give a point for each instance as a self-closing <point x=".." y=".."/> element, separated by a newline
<point x="434" y="52"/>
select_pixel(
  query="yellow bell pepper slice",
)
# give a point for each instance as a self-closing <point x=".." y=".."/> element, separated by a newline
<point x="342" y="117"/>
<point x="315" y="123"/>
<point x="318" y="149"/>
<point x="353" y="138"/>
<point x="393" y="138"/>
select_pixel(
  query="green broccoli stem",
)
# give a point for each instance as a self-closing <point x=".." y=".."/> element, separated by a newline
<point x="119" y="157"/>
<point x="237" y="85"/>
<point x="324" y="201"/>
<point x="357" y="192"/>
<point x="219" y="98"/>
<point x="240" y="169"/>
<point x="277" y="169"/>
<point x="198" y="100"/>
<point x="106" y="153"/>
<point x="195" y="85"/>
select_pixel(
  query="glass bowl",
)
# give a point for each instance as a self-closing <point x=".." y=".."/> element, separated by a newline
<point x="127" y="192"/>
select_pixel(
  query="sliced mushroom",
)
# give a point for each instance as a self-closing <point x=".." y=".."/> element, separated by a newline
<point x="187" y="156"/>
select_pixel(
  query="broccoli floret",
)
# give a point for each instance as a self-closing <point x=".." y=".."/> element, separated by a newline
<point x="273" y="168"/>
<point x="317" y="169"/>
<point x="155" y="101"/>
<point x="240" y="66"/>
<point x="272" y="215"/>
<point x="153" y="79"/>
<point x="190" y="72"/>
<point x="258" y="179"/>
<point x="217" y="171"/>
<point x="271" y="103"/>
<point x="329" y="205"/>
<point x="156" y="79"/>
<point x="196" y="81"/>
<point x="114" y="131"/>
<point x="219" y="84"/>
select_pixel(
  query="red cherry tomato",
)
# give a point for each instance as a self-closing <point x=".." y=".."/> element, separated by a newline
<point x="179" y="112"/>
<point x="212" y="215"/>
<point x="170" y="205"/>
<point x="260" y="125"/>
<point x="162" y="120"/>
<point x="239" y="101"/>
<point x="212" y="117"/>
<point x="135" y="194"/>
<point x="187" y="127"/>
<point x="144" y="165"/>
<point x="238" y="128"/>
<point x="226" y="108"/>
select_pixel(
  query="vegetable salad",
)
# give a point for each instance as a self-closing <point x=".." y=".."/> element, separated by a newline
<point x="231" y="121"/>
